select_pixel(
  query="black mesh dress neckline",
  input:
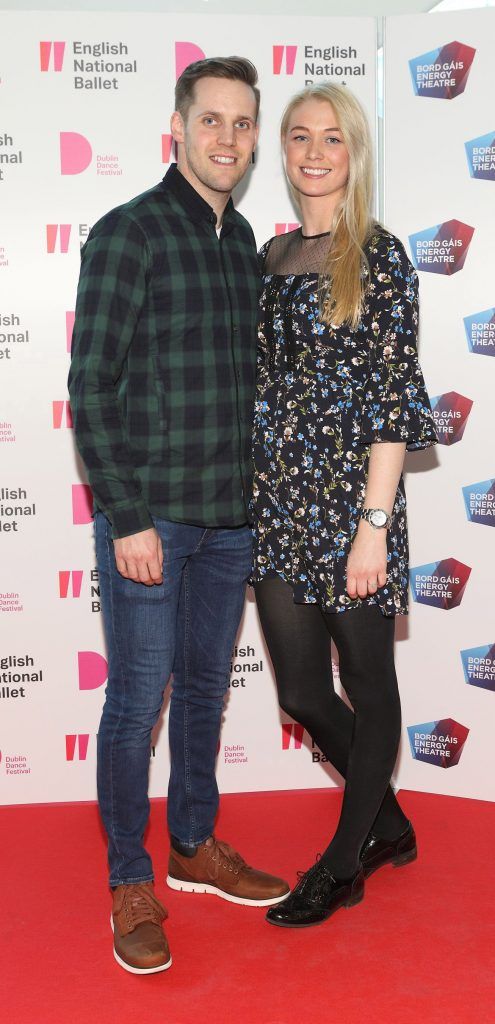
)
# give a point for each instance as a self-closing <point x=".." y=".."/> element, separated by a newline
<point x="297" y="254"/>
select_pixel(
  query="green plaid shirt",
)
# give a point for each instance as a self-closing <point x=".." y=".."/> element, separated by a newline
<point x="163" y="360"/>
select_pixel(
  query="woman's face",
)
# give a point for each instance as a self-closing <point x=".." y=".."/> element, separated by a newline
<point x="317" y="160"/>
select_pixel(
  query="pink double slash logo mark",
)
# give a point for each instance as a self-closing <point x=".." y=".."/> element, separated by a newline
<point x="168" y="149"/>
<point x="61" y="410"/>
<point x="282" y="229"/>
<point x="290" y="53"/>
<point x="292" y="731"/>
<point x="70" y="317"/>
<point x="49" y="50"/>
<point x="65" y="577"/>
<point x="77" y="741"/>
<point x="57" y="234"/>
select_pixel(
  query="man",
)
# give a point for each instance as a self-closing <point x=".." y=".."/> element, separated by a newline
<point x="162" y="390"/>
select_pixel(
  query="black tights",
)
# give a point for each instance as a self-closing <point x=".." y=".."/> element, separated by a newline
<point x="362" y="744"/>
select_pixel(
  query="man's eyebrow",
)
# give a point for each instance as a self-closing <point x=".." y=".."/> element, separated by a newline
<point x="216" y="113"/>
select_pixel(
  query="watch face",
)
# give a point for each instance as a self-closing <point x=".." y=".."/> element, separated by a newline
<point x="378" y="517"/>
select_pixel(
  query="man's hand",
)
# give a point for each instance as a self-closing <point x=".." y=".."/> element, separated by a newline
<point x="140" y="557"/>
<point x="367" y="562"/>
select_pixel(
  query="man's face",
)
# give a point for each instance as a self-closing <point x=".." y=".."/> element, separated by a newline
<point x="218" y="135"/>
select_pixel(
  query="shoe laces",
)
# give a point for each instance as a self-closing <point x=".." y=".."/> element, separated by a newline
<point x="301" y="874"/>
<point x="225" y="856"/>
<point x="141" y="905"/>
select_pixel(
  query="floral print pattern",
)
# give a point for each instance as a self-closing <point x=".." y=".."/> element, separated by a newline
<point x="324" y="395"/>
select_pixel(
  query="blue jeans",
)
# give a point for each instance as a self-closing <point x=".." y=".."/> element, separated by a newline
<point x="185" y="626"/>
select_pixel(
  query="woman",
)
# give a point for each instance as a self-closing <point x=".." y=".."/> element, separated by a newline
<point x="340" y="398"/>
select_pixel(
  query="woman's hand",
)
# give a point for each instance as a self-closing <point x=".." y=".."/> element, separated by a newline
<point x="367" y="561"/>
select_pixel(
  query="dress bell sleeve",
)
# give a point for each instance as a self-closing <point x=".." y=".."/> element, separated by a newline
<point x="396" y="406"/>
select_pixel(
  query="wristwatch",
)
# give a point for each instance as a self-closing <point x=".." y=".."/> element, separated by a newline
<point x="377" y="518"/>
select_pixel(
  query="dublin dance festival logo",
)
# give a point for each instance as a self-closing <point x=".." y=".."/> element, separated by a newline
<point x="442" y="74"/>
<point x="440" y="584"/>
<point x="441" y="249"/>
<point x="440" y="743"/>
<point x="75" y="153"/>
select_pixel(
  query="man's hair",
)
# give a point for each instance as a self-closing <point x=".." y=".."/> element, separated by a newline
<point x="237" y="69"/>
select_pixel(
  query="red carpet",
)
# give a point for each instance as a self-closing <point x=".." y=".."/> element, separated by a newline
<point x="418" y="950"/>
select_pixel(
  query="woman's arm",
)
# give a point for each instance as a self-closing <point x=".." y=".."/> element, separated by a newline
<point x="367" y="562"/>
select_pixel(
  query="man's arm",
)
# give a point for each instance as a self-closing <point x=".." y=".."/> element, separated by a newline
<point x="111" y="295"/>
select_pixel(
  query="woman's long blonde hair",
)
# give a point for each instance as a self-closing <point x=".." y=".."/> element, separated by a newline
<point x="342" y="284"/>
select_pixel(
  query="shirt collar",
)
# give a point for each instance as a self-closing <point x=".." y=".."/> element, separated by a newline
<point x="195" y="206"/>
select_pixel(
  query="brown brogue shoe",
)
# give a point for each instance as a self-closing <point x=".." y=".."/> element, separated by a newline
<point x="140" y="945"/>
<point x="216" y="868"/>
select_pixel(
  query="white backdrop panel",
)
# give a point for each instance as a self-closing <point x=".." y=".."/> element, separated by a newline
<point x="104" y="82"/>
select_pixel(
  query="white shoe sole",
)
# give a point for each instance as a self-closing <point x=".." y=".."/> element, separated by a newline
<point x="138" y="970"/>
<point x="202" y="887"/>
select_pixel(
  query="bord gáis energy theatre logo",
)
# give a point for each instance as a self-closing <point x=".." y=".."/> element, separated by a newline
<point x="439" y="743"/>
<point x="440" y="584"/>
<point x="479" y="666"/>
<point x="480" y="332"/>
<point x="450" y="414"/>
<point x="479" y="499"/>
<point x="442" y="74"/>
<point x="442" y="248"/>
<point x="480" y="154"/>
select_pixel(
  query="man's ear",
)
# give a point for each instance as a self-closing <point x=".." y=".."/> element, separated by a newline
<point x="177" y="126"/>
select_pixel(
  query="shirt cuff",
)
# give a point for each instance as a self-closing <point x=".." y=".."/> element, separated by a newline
<point x="129" y="519"/>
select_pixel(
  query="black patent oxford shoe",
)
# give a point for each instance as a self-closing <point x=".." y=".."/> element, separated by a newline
<point x="377" y="852"/>
<point x="316" y="896"/>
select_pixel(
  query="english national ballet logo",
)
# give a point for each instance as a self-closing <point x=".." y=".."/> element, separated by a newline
<point x="480" y="154"/>
<point x="441" y="249"/>
<point x="450" y="413"/>
<point x="480" y="332"/>
<point x="70" y="317"/>
<point x="93" y="65"/>
<point x="61" y="415"/>
<point x="442" y="74"/>
<point x="69" y="582"/>
<point x="168" y="149"/>
<point x="284" y="60"/>
<point x="440" y="743"/>
<point x="440" y="584"/>
<point x="292" y="735"/>
<point x="479" y="666"/>
<point x="58" y="237"/>
<point x="282" y="228"/>
<point x="52" y="56"/>
<point x="76" y="746"/>
<point x="479" y="500"/>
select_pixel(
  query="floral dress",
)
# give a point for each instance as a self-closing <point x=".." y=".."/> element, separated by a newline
<point x="324" y="395"/>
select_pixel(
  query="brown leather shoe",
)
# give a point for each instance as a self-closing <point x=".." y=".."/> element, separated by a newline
<point x="218" y="869"/>
<point x="139" y="943"/>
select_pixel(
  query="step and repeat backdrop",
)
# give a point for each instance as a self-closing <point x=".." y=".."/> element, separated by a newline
<point x="86" y="101"/>
<point x="440" y="199"/>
